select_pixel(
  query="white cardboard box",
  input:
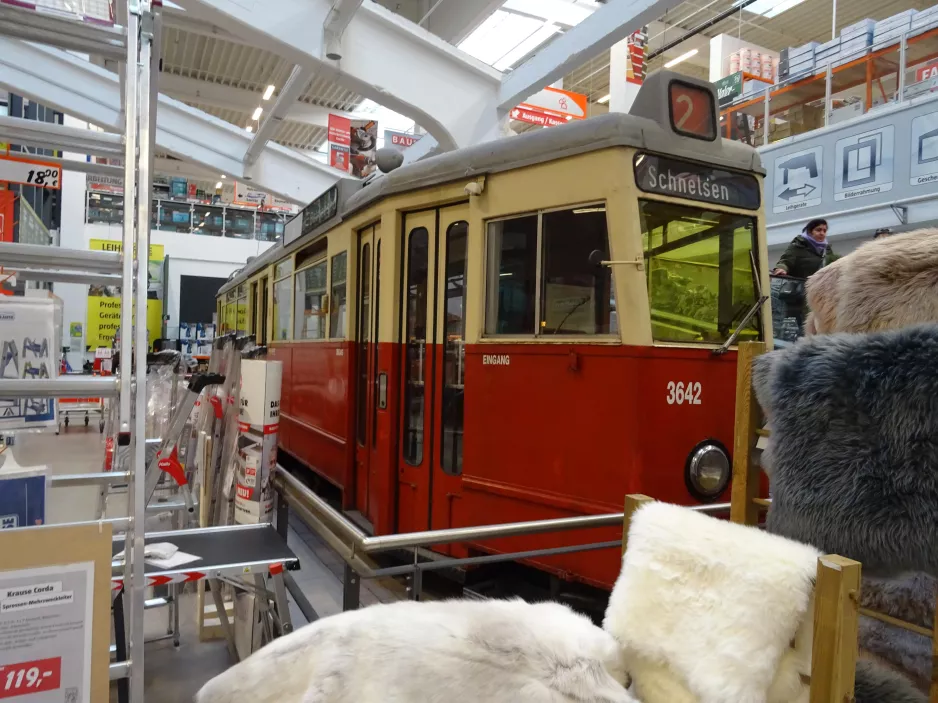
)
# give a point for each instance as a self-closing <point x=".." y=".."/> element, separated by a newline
<point x="259" y="426"/>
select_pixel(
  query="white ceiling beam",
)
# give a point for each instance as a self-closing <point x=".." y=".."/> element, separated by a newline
<point x="294" y="87"/>
<point x="611" y="23"/>
<point x="192" y="90"/>
<point x="334" y="27"/>
<point x="77" y="87"/>
<point x="386" y="58"/>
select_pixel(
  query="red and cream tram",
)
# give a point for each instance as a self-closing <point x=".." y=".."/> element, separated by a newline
<point x="524" y="329"/>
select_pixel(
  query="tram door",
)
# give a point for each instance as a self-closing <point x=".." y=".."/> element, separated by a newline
<point x="369" y="248"/>
<point x="433" y="305"/>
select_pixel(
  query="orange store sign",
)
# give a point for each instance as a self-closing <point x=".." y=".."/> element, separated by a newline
<point x="555" y="101"/>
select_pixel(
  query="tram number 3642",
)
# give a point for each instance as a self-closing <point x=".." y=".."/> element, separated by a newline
<point x="683" y="394"/>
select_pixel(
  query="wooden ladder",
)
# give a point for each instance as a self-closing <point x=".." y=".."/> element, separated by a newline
<point x="746" y="504"/>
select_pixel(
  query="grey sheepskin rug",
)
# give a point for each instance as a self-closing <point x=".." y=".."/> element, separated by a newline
<point x="853" y="456"/>
<point x="911" y="598"/>
<point x="875" y="684"/>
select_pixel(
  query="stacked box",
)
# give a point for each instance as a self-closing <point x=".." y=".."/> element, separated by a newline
<point x="890" y="30"/>
<point x="801" y="60"/>
<point x="925" y="20"/>
<point x="827" y="52"/>
<point x="866" y="26"/>
<point x="259" y="424"/>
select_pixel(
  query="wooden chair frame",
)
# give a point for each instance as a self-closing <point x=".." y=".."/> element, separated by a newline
<point x="746" y="504"/>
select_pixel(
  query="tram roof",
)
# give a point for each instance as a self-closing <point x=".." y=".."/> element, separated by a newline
<point x="540" y="146"/>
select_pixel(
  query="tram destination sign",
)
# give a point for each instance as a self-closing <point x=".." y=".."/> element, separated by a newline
<point x="322" y="210"/>
<point x="683" y="179"/>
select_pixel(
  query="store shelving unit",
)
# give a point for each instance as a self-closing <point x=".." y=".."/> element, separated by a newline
<point x="869" y="70"/>
<point x="136" y="44"/>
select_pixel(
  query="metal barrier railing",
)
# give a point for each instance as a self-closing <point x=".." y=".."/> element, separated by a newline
<point x="354" y="546"/>
<point x="789" y="308"/>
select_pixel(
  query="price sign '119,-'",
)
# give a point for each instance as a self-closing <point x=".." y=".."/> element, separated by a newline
<point x="30" y="677"/>
<point x="30" y="173"/>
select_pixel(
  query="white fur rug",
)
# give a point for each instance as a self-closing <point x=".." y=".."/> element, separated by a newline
<point x="446" y="652"/>
<point x="708" y="611"/>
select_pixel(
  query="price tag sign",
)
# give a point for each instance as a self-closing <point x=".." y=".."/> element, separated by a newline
<point x="31" y="173"/>
<point x="30" y="677"/>
<point x="46" y="633"/>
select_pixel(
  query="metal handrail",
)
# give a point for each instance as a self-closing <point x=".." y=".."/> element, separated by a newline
<point x="360" y="542"/>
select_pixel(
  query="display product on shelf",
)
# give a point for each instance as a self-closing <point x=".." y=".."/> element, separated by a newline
<point x="31" y="331"/>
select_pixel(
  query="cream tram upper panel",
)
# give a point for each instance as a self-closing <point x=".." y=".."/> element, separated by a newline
<point x="648" y="128"/>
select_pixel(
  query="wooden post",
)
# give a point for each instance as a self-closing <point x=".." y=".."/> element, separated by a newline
<point x="836" y="619"/>
<point x="632" y="503"/>
<point x="745" y="475"/>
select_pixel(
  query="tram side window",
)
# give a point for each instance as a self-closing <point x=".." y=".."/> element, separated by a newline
<point x="576" y="296"/>
<point x="512" y="276"/>
<point x="338" y="303"/>
<point x="283" y="290"/>
<point x="699" y="272"/>
<point x="309" y="320"/>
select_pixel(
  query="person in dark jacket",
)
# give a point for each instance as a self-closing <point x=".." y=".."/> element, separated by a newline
<point x="807" y="253"/>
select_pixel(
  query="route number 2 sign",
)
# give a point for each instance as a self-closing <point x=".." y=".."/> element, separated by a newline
<point x="693" y="113"/>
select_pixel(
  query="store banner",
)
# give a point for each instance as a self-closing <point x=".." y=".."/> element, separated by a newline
<point x="363" y="145"/>
<point x="635" y="70"/>
<point x="545" y="119"/>
<point x="104" y="305"/>
<point x="557" y="102"/>
<point x="340" y="138"/>
<point x="401" y="140"/>
<point x="104" y="184"/>
<point x="245" y="195"/>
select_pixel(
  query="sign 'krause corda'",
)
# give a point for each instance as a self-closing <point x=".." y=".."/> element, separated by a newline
<point x="683" y="179"/>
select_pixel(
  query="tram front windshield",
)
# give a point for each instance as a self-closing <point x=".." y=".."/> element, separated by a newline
<point x="700" y="272"/>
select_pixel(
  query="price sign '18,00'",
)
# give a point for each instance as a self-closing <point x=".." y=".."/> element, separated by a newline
<point x="31" y="173"/>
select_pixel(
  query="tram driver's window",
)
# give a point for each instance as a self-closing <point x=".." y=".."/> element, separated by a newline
<point x="699" y="270"/>
<point x="576" y="294"/>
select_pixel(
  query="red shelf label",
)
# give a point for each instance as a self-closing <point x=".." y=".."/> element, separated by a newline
<point x="30" y="677"/>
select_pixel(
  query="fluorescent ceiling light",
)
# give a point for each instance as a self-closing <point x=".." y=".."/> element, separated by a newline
<point x="771" y="8"/>
<point x="257" y="114"/>
<point x="224" y="176"/>
<point x="218" y="185"/>
<point x="269" y="92"/>
<point x="604" y="99"/>
<point x="675" y="62"/>
<point x="250" y="128"/>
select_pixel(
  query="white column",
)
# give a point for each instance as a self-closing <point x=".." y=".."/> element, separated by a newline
<point x="72" y="236"/>
<point x="621" y="92"/>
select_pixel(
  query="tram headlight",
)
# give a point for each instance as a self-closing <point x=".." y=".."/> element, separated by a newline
<point x="708" y="470"/>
